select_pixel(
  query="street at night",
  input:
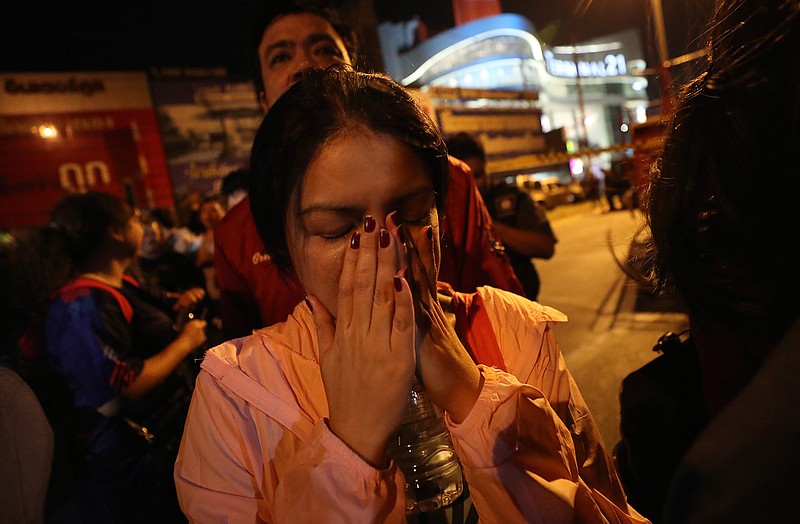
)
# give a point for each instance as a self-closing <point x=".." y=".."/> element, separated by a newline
<point x="611" y="329"/>
<point x="286" y="261"/>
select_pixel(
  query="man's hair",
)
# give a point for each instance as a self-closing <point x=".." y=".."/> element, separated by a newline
<point x="164" y="216"/>
<point x="267" y="11"/>
<point x="463" y="145"/>
<point x="234" y="181"/>
<point x="325" y="104"/>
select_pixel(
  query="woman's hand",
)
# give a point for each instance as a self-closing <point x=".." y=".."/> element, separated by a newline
<point x="447" y="372"/>
<point x="367" y="354"/>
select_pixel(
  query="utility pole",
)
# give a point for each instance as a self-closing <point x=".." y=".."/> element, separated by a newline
<point x="583" y="135"/>
<point x="661" y="34"/>
<point x="663" y="56"/>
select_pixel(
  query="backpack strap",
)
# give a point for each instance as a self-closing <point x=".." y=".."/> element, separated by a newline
<point x="475" y="328"/>
<point x="81" y="285"/>
<point x="130" y="280"/>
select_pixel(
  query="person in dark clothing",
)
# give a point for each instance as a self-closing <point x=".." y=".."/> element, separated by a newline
<point x="617" y="187"/>
<point x="111" y="363"/>
<point x="722" y="209"/>
<point x="520" y="223"/>
<point x="170" y="277"/>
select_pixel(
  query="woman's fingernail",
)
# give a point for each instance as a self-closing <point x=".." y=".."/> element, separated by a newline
<point x="384" y="238"/>
<point x="355" y="240"/>
<point x="398" y="283"/>
<point x="308" y="302"/>
<point x="429" y="233"/>
<point x="369" y="224"/>
<point x="393" y="217"/>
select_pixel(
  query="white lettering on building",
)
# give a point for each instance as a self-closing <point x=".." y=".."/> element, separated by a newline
<point x="610" y="65"/>
<point x="74" y="177"/>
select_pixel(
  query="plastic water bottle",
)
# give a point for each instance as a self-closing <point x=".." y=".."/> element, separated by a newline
<point x="422" y="449"/>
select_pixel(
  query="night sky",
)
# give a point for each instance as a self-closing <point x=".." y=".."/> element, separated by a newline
<point x="125" y="35"/>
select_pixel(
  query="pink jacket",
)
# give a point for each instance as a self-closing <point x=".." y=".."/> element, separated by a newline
<point x="256" y="447"/>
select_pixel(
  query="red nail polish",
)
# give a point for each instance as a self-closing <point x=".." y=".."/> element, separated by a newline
<point x="355" y="240"/>
<point x="369" y="224"/>
<point x="384" y="238"/>
<point x="398" y="283"/>
<point x="429" y="233"/>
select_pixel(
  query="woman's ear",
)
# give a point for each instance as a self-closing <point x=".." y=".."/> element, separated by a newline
<point x="117" y="233"/>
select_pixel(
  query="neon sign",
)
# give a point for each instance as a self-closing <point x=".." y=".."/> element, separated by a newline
<point x="610" y="65"/>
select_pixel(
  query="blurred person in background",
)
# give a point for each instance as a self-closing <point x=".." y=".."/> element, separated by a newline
<point x="26" y="437"/>
<point x="289" y="38"/>
<point x="176" y="238"/>
<point x="188" y="211"/>
<point x="165" y="274"/>
<point x="235" y="186"/>
<point x="211" y="214"/>
<point x="520" y="222"/>
<point x="106" y="362"/>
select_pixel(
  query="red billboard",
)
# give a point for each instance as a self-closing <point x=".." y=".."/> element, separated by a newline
<point x="65" y="132"/>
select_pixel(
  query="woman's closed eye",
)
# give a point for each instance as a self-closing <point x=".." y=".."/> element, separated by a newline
<point x="421" y="221"/>
<point x="335" y="232"/>
<point x="416" y="216"/>
<point x="334" y="235"/>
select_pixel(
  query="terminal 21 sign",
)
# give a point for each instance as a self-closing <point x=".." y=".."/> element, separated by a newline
<point x="611" y="64"/>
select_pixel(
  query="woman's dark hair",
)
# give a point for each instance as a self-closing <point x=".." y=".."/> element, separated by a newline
<point x="315" y="110"/>
<point x="83" y="220"/>
<point x="722" y="205"/>
<point x="47" y="258"/>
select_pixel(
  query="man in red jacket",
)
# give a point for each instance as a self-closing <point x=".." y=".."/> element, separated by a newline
<point x="289" y="40"/>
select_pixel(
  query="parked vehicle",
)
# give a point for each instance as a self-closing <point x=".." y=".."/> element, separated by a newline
<point x="549" y="192"/>
<point x="576" y="191"/>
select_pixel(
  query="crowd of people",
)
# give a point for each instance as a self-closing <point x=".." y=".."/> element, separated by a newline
<point x="247" y="357"/>
<point x="113" y="307"/>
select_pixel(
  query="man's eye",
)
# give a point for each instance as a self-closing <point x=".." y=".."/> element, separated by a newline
<point x="277" y="58"/>
<point x="328" y="50"/>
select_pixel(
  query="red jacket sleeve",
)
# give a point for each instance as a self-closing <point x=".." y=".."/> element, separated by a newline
<point x="472" y="254"/>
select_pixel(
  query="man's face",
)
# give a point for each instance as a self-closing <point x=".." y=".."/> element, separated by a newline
<point x="290" y="45"/>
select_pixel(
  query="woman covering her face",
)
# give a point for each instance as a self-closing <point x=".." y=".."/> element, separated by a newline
<point x="292" y="423"/>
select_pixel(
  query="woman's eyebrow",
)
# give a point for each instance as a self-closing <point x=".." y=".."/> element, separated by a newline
<point x="355" y="210"/>
<point x="330" y="208"/>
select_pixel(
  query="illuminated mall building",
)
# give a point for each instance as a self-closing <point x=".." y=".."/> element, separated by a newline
<point x="492" y="77"/>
